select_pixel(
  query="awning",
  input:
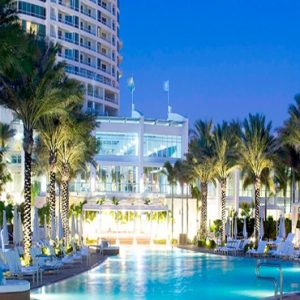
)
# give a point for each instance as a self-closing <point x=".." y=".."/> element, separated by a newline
<point x="122" y="207"/>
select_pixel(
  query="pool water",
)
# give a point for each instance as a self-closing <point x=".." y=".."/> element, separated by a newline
<point x="141" y="273"/>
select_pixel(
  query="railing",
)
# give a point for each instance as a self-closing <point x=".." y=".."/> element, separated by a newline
<point x="86" y="13"/>
<point x="86" y="29"/>
<point x="269" y="278"/>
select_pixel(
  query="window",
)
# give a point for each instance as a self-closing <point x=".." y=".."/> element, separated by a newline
<point x="16" y="159"/>
<point x="117" y="179"/>
<point x="38" y="29"/>
<point x="162" y="146"/>
<point x="32" y="10"/>
<point x="118" y="144"/>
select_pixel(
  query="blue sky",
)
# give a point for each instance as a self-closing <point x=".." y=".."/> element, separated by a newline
<point x="224" y="58"/>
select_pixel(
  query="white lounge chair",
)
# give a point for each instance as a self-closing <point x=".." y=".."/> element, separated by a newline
<point x="260" y="249"/>
<point x="45" y="262"/>
<point x="16" y="269"/>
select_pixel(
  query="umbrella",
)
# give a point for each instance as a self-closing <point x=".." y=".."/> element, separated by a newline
<point x="16" y="237"/>
<point x="227" y="228"/>
<point x="80" y="228"/>
<point x="245" y="233"/>
<point x="52" y="233"/>
<point x="261" y="229"/>
<point x="35" y="231"/>
<point x="281" y="232"/>
<point x="235" y="228"/>
<point x="73" y="229"/>
<point x="59" y="228"/>
<point x="45" y="227"/>
<point x="20" y="228"/>
<point x="4" y="230"/>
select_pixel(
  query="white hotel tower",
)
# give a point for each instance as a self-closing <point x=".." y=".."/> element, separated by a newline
<point x="88" y="32"/>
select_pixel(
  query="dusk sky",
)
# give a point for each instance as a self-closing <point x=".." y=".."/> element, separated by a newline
<point x="224" y="59"/>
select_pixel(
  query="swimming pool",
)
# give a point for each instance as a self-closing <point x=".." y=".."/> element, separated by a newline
<point x="170" y="274"/>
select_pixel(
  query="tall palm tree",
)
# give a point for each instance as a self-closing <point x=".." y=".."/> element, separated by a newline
<point x="43" y="90"/>
<point x="202" y="157"/>
<point x="75" y="152"/>
<point x="289" y="138"/>
<point x="196" y="194"/>
<point x="256" y="152"/>
<point x="170" y="171"/>
<point x="225" y="145"/>
<point x="180" y="177"/>
<point x="53" y="131"/>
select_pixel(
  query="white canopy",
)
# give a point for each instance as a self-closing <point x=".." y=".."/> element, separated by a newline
<point x="124" y="207"/>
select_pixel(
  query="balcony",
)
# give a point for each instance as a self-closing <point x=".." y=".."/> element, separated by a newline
<point x="87" y="46"/>
<point x="89" y="30"/>
<point x="65" y="4"/>
<point x="86" y="13"/>
<point x="90" y="64"/>
<point x="61" y="20"/>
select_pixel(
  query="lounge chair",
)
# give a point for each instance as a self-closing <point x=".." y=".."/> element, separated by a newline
<point x="260" y="249"/>
<point x="107" y="249"/>
<point x="16" y="269"/>
<point x="45" y="262"/>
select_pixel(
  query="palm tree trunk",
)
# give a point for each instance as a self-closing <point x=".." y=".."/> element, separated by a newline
<point x="172" y="218"/>
<point x="27" y="205"/>
<point x="266" y="203"/>
<point x="223" y="208"/>
<point x="187" y="209"/>
<point x="293" y="187"/>
<point x="284" y="200"/>
<point x="203" y="226"/>
<point x="65" y="209"/>
<point x="257" y="207"/>
<point x="27" y="147"/>
<point x="181" y="208"/>
<point x="52" y="196"/>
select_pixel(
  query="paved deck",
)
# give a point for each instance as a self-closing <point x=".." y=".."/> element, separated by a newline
<point x="94" y="260"/>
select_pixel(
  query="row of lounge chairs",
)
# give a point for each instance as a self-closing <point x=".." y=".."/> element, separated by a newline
<point x="279" y="248"/>
<point x="10" y="261"/>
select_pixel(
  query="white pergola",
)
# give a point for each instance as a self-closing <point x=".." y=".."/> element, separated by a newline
<point x="125" y="207"/>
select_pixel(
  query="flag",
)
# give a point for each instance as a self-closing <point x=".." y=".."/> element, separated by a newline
<point x="130" y="83"/>
<point x="166" y="86"/>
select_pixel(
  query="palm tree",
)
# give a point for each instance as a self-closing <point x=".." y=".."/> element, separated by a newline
<point x="256" y="152"/>
<point x="202" y="158"/>
<point x="43" y="90"/>
<point x="76" y="151"/>
<point x="170" y="171"/>
<point x="179" y="173"/>
<point x="225" y="144"/>
<point x="53" y="131"/>
<point x="196" y="194"/>
<point x="289" y="138"/>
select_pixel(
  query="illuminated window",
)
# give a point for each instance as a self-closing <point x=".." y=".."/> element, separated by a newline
<point x="162" y="146"/>
<point x="119" y="144"/>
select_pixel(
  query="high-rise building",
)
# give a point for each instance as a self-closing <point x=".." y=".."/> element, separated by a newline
<point x="88" y="32"/>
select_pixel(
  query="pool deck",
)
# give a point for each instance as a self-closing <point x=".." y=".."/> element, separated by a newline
<point x="95" y="259"/>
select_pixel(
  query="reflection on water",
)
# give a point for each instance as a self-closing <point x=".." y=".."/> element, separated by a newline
<point x="141" y="273"/>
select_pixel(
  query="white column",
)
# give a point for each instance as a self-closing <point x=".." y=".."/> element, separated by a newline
<point x="92" y="179"/>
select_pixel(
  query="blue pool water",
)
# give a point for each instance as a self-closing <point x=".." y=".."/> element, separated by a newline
<point x="170" y="274"/>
